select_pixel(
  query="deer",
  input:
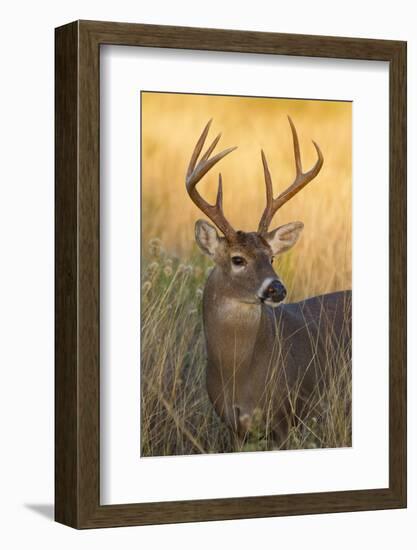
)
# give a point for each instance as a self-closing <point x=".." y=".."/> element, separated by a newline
<point x="265" y="357"/>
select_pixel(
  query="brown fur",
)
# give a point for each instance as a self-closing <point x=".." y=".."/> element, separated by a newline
<point x="258" y="355"/>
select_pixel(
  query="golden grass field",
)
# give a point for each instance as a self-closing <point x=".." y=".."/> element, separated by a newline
<point x="176" y="416"/>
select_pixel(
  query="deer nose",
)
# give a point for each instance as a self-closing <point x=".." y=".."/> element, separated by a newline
<point x="275" y="292"/>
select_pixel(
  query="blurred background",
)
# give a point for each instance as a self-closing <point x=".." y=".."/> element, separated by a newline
<point x="171" y="125"/>
<point x="177" y="416"/>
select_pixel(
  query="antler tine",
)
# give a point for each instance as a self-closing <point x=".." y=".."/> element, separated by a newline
<point x="198" y="147"/>
<point x="268" y="180"/>
<point x="196" y="170"/>
<point x="211" y="148"/>
<point x="300" y="181"/>
<point x="219" y="198"/>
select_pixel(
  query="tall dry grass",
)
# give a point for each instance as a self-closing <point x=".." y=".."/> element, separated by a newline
<point x="176" y="415"/>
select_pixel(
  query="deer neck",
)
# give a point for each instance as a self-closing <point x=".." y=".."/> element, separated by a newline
<point x="231" y="327"/>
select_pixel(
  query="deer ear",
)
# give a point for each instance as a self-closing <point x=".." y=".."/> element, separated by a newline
<point x="284" y="237"/>
<point x="206" y="236"/>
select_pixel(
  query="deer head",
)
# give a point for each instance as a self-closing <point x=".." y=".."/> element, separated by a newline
<point x="244" y="259"/>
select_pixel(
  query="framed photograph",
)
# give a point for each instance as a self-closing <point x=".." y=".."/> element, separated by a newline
<point x="230" y="274"/>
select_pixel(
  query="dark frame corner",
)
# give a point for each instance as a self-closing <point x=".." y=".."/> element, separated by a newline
<point x="77" y="274"/>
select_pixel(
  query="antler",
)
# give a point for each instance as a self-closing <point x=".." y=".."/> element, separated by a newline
<point x="194" y="174"/>
<point x="301" y="180"/>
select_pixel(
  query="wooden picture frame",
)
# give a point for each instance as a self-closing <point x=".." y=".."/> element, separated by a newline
<point x="77" y="373"/>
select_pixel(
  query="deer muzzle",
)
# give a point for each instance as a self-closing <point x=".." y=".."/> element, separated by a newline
<point x="274" y="293"/>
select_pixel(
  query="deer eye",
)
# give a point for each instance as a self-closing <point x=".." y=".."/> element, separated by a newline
<point x="272" y="260"/>
<point x="238" y="260"/>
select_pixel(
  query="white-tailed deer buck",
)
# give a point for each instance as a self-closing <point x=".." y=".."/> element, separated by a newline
<point x="264" y="357"/>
